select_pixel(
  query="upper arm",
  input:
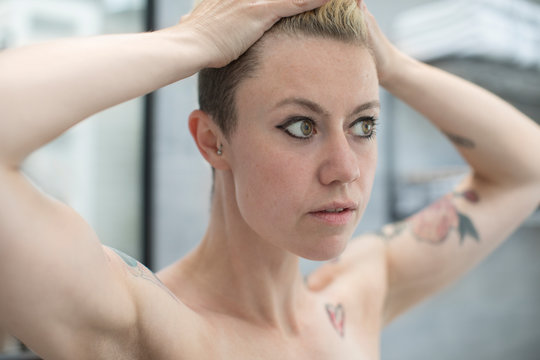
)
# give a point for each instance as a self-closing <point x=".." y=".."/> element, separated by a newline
<point x="59" y="288"/>
<point x="437" y="245"/>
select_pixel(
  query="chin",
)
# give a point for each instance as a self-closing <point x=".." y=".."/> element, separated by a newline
<point x="326" y="249"/>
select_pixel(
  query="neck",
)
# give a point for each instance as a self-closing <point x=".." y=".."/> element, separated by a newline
<point x="244" y="275"/>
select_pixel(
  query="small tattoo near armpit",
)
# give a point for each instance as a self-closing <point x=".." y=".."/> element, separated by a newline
<point x="137" y="269"/>
<point x="337" y="318"/>
<point x="461" y="141"/>
<point x="131" y="262"/>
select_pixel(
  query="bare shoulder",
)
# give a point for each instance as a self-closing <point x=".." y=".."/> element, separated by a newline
<point x="134" y="271"/>
<point x="166" y="327"/>
<point x="79" y="300"/>
<point x="91" y="301"/>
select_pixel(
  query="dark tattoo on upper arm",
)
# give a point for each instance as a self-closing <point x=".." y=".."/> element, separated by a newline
<point x="435" y="223"/>
<point x="137" y="269"/>
<point x="337" y="317"/>
<point x="461" y="141"/>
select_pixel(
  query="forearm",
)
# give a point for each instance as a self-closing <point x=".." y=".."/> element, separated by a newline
<point x="46" y="89"/>
<point x="500" y="143"/>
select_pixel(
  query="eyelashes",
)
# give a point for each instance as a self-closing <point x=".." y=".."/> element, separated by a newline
<point x="365" y="127"/>
<point x="299" y="127"/>
<point x="304" y="128"/>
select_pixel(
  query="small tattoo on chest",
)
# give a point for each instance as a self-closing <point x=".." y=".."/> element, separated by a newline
<point x="337" y="318"/>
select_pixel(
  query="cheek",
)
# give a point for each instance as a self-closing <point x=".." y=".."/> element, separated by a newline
<point x="270" y="185"/>
<point x="368" y="167"/>
<point x="273" y="186"/>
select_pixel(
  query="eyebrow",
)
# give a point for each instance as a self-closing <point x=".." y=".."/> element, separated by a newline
<point x="316" y="108"/>
<point x="369" y="105"/>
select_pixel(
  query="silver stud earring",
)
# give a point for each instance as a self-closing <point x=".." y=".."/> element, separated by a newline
<point x="220" y="150"/>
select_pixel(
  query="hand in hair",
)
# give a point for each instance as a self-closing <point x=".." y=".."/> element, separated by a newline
<point x="385" y="53"/>
<point x="228" y="28"/>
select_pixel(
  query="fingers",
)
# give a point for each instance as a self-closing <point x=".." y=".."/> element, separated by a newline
<point x="231" y="26"/>
<point x="286" y="8"/>
<point x="363" y="6"/>
<point x="305" y="5"/>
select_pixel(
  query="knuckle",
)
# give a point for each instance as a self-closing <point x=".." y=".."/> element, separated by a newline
<point x="300" y="3"/>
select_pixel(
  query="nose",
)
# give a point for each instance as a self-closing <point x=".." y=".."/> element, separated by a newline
<point x="340" y="162"/>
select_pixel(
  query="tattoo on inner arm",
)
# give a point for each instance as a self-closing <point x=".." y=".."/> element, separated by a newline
<point x="337" y="318"/>
<point x="137" y="269"/>
<point x="435" y="223"/>
<point x="461" y="141"/>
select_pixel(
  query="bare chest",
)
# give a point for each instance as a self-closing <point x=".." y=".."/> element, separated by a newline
<point x="343" y="322"/>
<point x="329" y="334"/>
<point x="315" y="345"/>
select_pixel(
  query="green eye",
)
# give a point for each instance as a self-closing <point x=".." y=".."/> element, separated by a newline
<point x="302" y="128"/>
<point x="364" y="127"/>
<point x="307" y="128"/>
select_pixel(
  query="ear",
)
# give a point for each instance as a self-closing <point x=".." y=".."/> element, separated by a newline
<point x="208" y="138"/>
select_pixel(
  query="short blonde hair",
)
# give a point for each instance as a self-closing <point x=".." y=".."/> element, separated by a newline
<point x="337" y="19"/>
<point x="341" y="20"/>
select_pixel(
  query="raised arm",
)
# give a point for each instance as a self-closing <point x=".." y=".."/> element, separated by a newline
<point x="62" y="293"/>
<point x="45" y="89"/>
<point x="502" y="147"/>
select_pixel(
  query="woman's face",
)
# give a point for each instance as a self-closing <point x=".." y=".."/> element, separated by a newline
<point x="303" y="154"/>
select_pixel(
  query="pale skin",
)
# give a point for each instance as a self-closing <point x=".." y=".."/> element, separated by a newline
<point x="240" y="295"/>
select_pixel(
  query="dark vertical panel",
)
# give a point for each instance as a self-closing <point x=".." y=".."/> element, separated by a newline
<point x="148" y="132"/>
<point x="390" y="156"/>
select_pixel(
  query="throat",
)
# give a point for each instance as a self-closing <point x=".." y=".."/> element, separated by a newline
<point x="217" y="280"/>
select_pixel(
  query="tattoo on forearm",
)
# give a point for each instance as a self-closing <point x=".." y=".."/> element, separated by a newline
<point x="337" y="318"/>
<point x="435" y="223"/>
<point x="137" y="269"/>
<point x="461" y="141"/>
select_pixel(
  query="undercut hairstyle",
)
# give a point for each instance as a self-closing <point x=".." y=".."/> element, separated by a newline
<point x="339" y="20"/>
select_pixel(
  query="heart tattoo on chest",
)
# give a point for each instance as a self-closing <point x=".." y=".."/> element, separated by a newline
<point x="337" y="317"/>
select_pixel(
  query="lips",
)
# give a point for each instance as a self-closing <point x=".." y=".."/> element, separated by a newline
<point x="336" y="207"/>
<point x="336" y="213"/>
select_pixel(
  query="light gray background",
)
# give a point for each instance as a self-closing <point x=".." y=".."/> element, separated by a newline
<point x="493" y="313"/>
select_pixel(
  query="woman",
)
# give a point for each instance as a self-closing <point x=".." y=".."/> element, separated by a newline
<point x="291" y="138"/>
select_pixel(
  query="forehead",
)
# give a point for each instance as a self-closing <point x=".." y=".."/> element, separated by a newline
<point x="337" y="75"/>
